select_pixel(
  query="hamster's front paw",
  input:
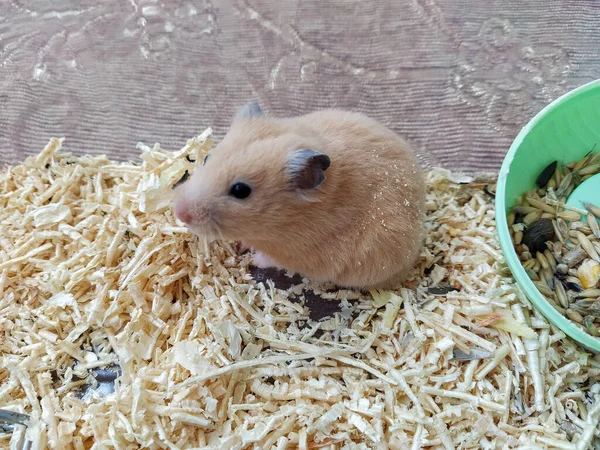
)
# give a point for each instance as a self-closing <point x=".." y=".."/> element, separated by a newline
<point x="263" y="261"/>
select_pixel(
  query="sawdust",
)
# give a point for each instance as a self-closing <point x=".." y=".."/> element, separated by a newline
<point x="96" y="273"/>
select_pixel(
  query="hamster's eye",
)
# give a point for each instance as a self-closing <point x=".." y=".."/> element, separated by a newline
<point x="205" y="158"/>
<point x="240" y="191"/>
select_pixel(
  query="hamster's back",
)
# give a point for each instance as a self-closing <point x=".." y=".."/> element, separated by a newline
<point x="375" y="196"/>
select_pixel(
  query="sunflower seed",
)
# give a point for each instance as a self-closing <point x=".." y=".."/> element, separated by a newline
<point x="545" y="175"/>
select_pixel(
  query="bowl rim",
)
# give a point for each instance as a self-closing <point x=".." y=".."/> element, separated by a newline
<point x="510" y="255"/>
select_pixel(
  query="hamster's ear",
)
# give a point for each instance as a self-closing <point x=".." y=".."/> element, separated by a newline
<point x="306" y="168"/>
<point x="250" y="110"/>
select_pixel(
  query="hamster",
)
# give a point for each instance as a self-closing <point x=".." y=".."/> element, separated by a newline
<point x="332" y="195"/>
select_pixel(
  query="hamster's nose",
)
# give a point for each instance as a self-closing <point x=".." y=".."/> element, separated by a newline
<point x="183" y="211"/>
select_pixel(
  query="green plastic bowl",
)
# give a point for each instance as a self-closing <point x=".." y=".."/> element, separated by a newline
<point x="565" y="130"/>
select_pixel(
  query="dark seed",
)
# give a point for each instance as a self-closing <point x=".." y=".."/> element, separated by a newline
<point x="561" y="277"/>
<point x="107" y="375"/>
<point x="537" y="234"/>
<point x="572" y="286"/>
<point x="488" y="192"/>
<point x="546" y="174"/>
<point x="13" y="417"/>
<point x="441" y="290"/>
<point x="183" y="179"/>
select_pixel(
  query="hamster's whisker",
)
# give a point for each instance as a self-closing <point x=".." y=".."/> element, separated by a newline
<point x="219" y="233"/>
<point x="206" y="247"/>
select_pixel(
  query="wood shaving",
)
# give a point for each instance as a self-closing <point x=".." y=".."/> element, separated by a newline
<point x="97" y="276"/>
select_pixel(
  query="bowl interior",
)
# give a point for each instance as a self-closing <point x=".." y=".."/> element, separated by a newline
<point x="566" y="130"/>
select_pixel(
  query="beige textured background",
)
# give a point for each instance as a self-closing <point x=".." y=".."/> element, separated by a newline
<point x="459" y="78"/>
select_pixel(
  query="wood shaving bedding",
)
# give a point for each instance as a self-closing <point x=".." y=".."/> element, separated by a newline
<point x="98" y="277"/>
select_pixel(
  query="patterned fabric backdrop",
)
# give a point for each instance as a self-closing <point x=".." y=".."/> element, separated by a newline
<point x="458" y="78"/>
